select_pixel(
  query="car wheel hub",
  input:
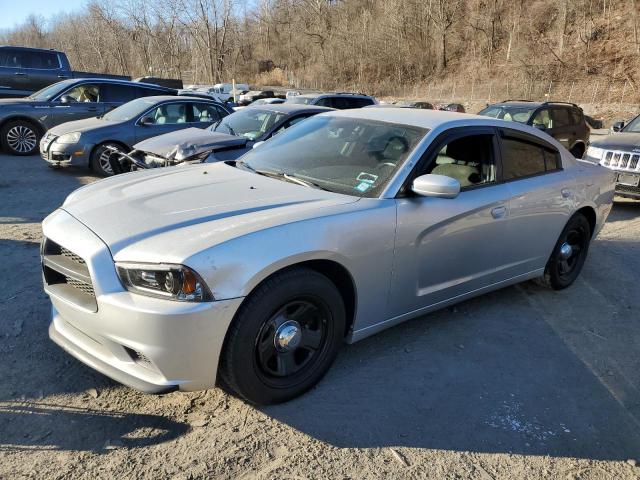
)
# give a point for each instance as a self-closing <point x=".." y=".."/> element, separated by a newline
<point x="566" y="251"/>
<point x="288" y="336"/>
<point x="21" y="139"/>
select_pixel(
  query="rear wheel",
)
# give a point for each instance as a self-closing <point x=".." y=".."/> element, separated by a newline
<point x="577" y="150"/>
<point x="569" y="253"/>
<point x="100" y="158"/>
<point x="284" y="337"/>
<point x="19" y="137"/>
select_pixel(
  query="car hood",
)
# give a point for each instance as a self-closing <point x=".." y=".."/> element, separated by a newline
<point x="619" y="141"/>
<point x="178" y="211"/>
<point x="88" y="124"/>
<point x="188" y="142"/>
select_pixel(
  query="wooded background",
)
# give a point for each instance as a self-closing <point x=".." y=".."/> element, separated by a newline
<point x="383" y="47"/>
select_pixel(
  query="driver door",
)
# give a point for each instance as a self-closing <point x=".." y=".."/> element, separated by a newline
<point x="446" y="248"/>
<point x="82" y="101"/>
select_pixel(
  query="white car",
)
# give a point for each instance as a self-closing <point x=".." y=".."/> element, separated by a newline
<point x="257" y="271"/>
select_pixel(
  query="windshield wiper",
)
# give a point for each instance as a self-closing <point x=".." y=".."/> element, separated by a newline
<point x="290" y="177"/>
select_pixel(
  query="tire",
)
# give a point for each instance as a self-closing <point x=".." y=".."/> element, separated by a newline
<point x="561" y="271"/>
<point x="99" y="161"/>
<point x="20" y="137"/>
<point x="284" y="337"/>
<point x="577" y="151"/>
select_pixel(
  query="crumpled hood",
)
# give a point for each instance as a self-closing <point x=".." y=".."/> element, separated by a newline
<point x="186" y="143"/>
<point x="88" y="124"/>
<point x="619" y="141"/>
<point x="176" y="212"/>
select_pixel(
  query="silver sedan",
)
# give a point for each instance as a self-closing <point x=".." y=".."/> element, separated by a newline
<point x="257" y="271"/>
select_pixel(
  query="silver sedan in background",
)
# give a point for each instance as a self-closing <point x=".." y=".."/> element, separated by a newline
<point x="256" y="271"/>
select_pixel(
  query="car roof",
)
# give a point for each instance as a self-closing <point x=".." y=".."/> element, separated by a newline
<point x="432" y="119"/>
<point x="30" y="49"/>
<point x="333" y="94"/>
<point x="292" y="108"/>
<point x="525" y="104"/>
<point x="118" y="81"/>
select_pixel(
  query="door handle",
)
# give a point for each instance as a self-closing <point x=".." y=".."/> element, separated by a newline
<point x="20" y="74"/>
<point x="566" y="193"/>
<point x="92" y="109"/>
<point x="499" y="212"/>
<point x="63" y="76"/>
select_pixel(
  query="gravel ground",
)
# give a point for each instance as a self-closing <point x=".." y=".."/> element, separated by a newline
<point x="521" y="383"/>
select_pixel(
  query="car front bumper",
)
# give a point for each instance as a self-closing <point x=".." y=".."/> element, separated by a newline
<point x="64" y="153"/>
<point x="151" y="344"/>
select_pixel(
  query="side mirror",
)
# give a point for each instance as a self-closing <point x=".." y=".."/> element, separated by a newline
<point x="146" y="121"/>
<point x="257" y="144"/>
<point x="67" y="99"/>
<point x="432" y="185"/>
<point x="540" y="126"/>
<point x="616" y="127"/>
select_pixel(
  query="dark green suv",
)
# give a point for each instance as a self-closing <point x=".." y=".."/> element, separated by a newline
<point x="563" y="121"/>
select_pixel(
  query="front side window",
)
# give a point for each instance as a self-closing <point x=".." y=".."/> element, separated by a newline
<point x="345" y="155"/>
<point x="250" y="123"/>
<point x="86" y="93"/>
<point x="469" y="159"/>
<point x="510" y="113"/>
<point x="524" y="159"/>
<point x="12" y="58"/>
<point x="170" y="114"/>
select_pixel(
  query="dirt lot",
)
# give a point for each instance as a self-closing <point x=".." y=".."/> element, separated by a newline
<point x="522" y="383"/>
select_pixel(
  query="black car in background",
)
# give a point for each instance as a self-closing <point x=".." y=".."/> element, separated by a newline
<point x="23" y="121"/>
<point x="563" y="121"/>
<point x="24" y="70"/>
<point x="89" y="142"/>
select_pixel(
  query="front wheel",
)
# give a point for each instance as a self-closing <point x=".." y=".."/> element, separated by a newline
<point x="284" y="337"/>
<point x="19" y="137"/>
<point x="100" y="158"/>
<point x="569" y="253"/>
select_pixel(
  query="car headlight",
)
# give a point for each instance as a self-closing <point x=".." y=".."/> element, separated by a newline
<point x="595" y="152"/>
<point x="172" y="282"/>
<point x="69" y="138"/>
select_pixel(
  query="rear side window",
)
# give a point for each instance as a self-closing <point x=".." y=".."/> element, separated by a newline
<point x="523" y="159"/>
<point x="576" y="116"/>
<point x="118" y="93"/>
<point x="12" y="58"/>
<point x="560" y="117"/>
<point x="363" y="102"/>
<point x="205" y="112"/>
<point x="42" y="60"/>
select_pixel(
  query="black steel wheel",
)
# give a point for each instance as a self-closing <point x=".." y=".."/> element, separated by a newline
<point x="284" y="337"/>
<point x="569" y="253"/>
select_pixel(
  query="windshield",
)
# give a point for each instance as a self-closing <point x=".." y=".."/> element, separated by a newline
<point x="250" y="123"/>
<point x="300" y="100"/>
<point x="633" y="126"/>
<point x="130" y="110"/>
<point x="344" y="155"/>
<point x="47" y="93"/>
<point x="513" y="113"/>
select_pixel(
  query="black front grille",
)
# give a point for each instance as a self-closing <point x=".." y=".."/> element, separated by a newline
<point x="66" y="275"/>
<point x="627" y="189"/>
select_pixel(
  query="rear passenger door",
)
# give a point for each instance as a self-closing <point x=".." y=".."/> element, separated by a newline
<point x="541" y="193"/>
<point x="562" y="128"/>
